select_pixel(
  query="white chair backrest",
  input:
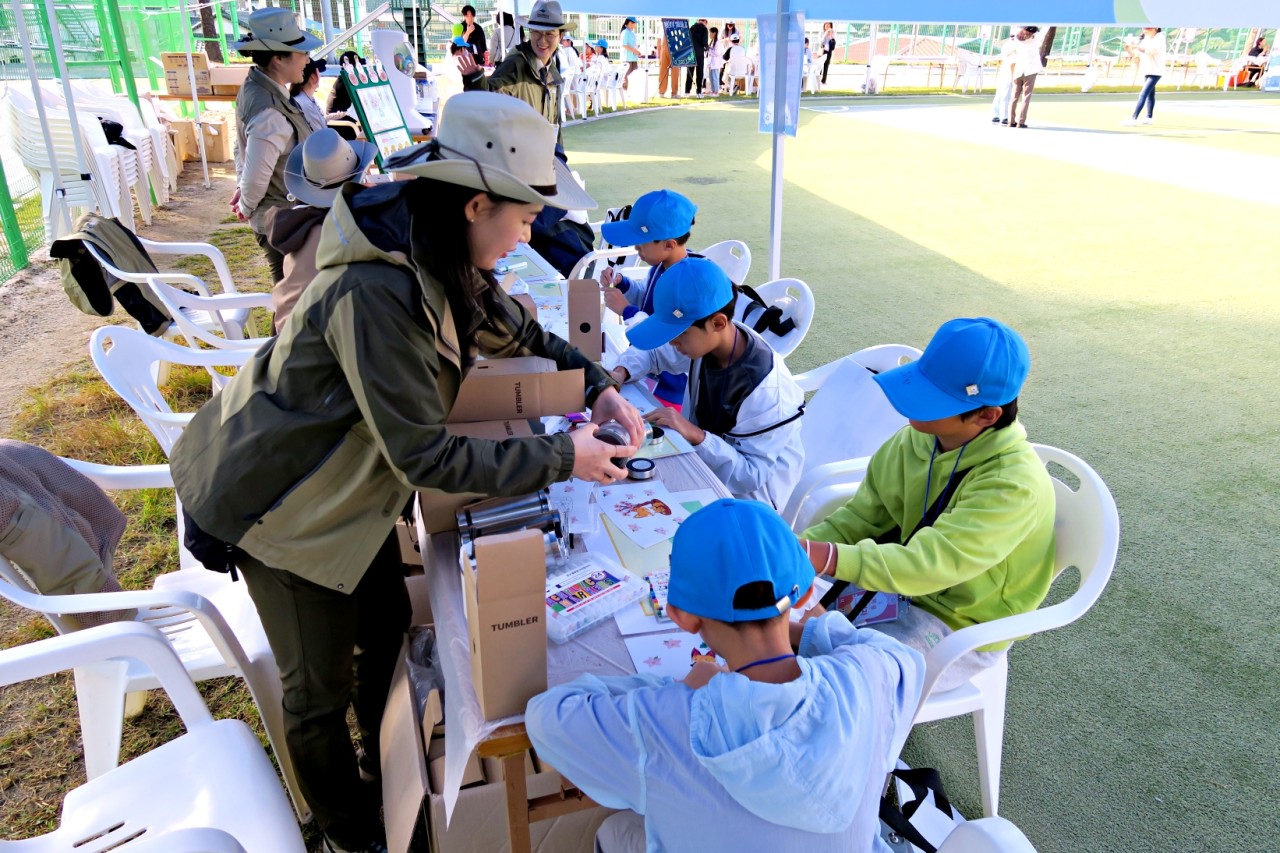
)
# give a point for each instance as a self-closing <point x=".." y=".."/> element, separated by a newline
<point x="986" y="835"/>
<point x="129" y="360"/>
<point x="1087" y="531"/>
<point x="849" y="417"/>
<point x="795" y="299"/>
<point x="732" y="256"/>
<point x="738" y="64"/>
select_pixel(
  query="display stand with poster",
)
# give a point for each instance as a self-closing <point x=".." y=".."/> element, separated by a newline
<point x="679" y="41"/>
<point x="377" y="108"/>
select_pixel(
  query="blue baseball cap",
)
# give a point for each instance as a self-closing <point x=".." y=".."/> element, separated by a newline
<point x="690" y="290"/>
<point x="730" y="543"/>
<point x="602" y="43"/>
<point x="659" y="215"/>
<point x="461" y="42"/>
<point x="970" y="363"/>
<point x="629" y="20"/>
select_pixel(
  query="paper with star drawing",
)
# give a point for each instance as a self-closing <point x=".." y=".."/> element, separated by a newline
<point x="646" y="513"/>
<point x="670" y="654"/>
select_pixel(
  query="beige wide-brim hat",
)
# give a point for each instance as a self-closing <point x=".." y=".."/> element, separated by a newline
<point x="499" y="144"/>
<point x="316" y="170"/>
<point x="546" y="15"/>
<point x="276" y="29"/>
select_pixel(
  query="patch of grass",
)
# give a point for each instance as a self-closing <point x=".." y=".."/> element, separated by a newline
<point x="244" y="257"/>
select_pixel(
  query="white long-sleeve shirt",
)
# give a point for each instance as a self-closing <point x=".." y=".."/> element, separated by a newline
<point x="762" y="457"/>
<point x="268" y="137"/>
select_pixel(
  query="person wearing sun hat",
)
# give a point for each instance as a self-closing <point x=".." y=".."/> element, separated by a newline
<point x="956" y="509"/>
<point x="296" y="472"/>
<point x="531" y="72"/>
<point x="269" y="123"/>
<point x="773" y="750"/>
<point x="313" y="174"/>
<point x="742" y="412"/>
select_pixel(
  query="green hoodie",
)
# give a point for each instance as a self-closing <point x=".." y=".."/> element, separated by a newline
<point x="307" y="457"/>
<point x="990" y="554"/>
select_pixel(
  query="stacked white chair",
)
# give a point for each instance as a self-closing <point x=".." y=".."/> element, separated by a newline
<point x="150" y="146"/>
<point x="210" y="790"/>
<point x="164" y="141"/>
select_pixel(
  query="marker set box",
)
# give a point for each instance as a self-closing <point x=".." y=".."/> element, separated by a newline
<point x="588" y="589"/>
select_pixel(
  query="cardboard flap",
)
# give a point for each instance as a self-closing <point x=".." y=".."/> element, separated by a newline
<point x="584" y="317"/>
<point x="503" y="562"/>
<point x="403" y="761"/>
<point x="508" y="388"/>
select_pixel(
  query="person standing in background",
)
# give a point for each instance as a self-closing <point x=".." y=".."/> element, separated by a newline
<point x="828" y="47"/>
<point x="1004" y="82"/>
<point x="1150" y="53"/>
<point x="1026" y="67"/>
<point x="698" y="34"/>
<point x="269" y="123"/>
<point x="474" y="33"/>
<point x="630" y="52"/>
<point x="305" y="93"/>
<point x="665" y="69"/>
<point x="715" y="60"/>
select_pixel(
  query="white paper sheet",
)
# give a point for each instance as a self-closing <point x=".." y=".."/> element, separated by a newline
<point x="646" y="513"/>
<point x="670" y="654"/>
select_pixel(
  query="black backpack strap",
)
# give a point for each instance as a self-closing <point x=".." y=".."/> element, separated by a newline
<point x="921" y="781"/>
<point x="770" y="319"/>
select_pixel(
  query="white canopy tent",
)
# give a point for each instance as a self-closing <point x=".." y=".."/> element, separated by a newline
<point x="1163" y="13"/>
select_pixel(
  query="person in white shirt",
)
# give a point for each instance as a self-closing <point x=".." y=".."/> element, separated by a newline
<point x="715" y="59"/>
<point x="305" y="94"/>
<point x="1004" y="82"/>
<point x="1026" y="66"/>
<point x="1150" y="53"/>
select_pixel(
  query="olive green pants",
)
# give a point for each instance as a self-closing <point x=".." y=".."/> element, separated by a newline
<point x="334" y="651"/>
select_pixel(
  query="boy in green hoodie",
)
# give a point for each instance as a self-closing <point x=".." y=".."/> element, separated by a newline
<point x="956" y="509"/>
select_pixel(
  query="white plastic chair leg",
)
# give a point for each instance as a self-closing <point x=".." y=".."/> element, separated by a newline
<point x="988" y="730"/>
<point x="134" y="704"/>
<point x="269" y="696"/>
<point x="100" y="696"/>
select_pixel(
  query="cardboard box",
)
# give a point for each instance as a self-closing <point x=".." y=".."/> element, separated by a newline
<point x="227" y="79"/>
<point x="419" y="600"/>
<point x="504" y="593"/>
<point x="177" y="79"/>
<point x="479" y="823"/>
<point x="217" y="138"/>
<point x="495" y="401"/>
<point x="474" y="774"/>
<point x="584" y="317"/>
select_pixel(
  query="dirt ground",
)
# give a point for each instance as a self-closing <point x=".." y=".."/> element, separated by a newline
<point x="41" y="332"/>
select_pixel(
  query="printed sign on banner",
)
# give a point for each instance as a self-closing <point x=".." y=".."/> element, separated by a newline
<point x="792" y="79"/>
<point x="679" y="41"/>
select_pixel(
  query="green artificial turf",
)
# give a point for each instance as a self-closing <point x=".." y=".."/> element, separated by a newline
<point x="1152" y="316"/>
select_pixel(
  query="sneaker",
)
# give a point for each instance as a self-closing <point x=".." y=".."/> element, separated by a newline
<point x="1022" y="125"/>
<point x="330" y="846"/>
<point x="1003" y="121"/>
<point x="996" y="120"/>
<point x="1147" y="120"/>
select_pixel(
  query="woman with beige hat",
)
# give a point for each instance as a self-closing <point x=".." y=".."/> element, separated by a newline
<point x="269" y="123"/>
<point x="296" y="473"/>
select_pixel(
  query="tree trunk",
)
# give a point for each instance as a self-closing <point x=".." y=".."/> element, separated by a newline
<point x="210" y="30"/>
<point x="1047" y="45"/>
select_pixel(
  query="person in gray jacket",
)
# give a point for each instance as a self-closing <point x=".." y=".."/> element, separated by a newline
<point x="742" y="414"/>
<point x="302" y="464"/>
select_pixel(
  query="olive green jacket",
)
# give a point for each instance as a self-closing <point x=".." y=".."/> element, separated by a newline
<point x="516" y="76"/>
<point x="307" y="457"/>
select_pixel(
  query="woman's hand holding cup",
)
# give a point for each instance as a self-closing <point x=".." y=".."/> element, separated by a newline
<point x="593" y="458"/>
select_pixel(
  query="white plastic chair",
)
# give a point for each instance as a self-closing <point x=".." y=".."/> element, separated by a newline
<point x="1206" y="70"/>
<point x="130" y="361"/>
<point x="877" y="74"/>
<point x="231" y="318"/>
<point x="739" y="68"/>
<point x="150" y="146"/>
<point x="732" y="256"/>
<point x="210" y="622"/>
<point x="195" y="314"/>
<point x="795" y="299"/>
<point x="1087" y="528"/>
<point x="612" y="86"/>
<point x="211" y="789"/>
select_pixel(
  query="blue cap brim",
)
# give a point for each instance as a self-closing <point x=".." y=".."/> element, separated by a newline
<point x="914" y="397"/>
<point x="653" y="332"/>
<point x="625" y="233"/>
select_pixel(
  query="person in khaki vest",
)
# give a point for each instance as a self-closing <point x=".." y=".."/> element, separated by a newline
<point x="269" y="123"/>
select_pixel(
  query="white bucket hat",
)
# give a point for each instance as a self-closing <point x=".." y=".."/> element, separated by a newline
<point x="276" y="29"/>
<point x="546" y="15"/>
<point x="317" y="169"/>
<point x="497" y="143"/>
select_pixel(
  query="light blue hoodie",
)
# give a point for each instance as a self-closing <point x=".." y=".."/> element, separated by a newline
<point x="743" y="765"/>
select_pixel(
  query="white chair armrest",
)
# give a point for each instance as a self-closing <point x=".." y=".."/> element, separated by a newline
<point x="213" y="253"/>
<point x="232" y="301"/>
<point x="113" y="477"/>
<point x="846" y="471"/>
<point x="94" y="645"/>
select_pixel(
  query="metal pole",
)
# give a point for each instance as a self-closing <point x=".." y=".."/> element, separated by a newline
<point x="24" y="39"/>
<point x="779" y="122"/>
<point x="195" y="96"/>
<point x="326" y="18"/>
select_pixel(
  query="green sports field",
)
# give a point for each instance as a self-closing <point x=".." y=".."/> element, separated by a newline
<point x="1141" y="266"/>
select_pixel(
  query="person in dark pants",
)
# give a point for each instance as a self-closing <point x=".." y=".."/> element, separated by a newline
<point x="828" y="47"/>
<point x="269" y="123"/>
<point x="699" y="34"/>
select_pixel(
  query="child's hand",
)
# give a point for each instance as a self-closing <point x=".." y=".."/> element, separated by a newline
<point x="702" y="672"/>
<point x="615" y="300"/>
<point x="609" y="278"/>
<point x="668" y="418"/>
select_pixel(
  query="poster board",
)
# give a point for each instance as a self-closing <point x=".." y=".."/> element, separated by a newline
<point x="377" y="108"/>
<point x="792" y="77"/>
<point x="679" y="41"/>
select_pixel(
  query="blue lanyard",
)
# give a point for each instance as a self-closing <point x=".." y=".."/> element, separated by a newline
<point x="924" y="510"/>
